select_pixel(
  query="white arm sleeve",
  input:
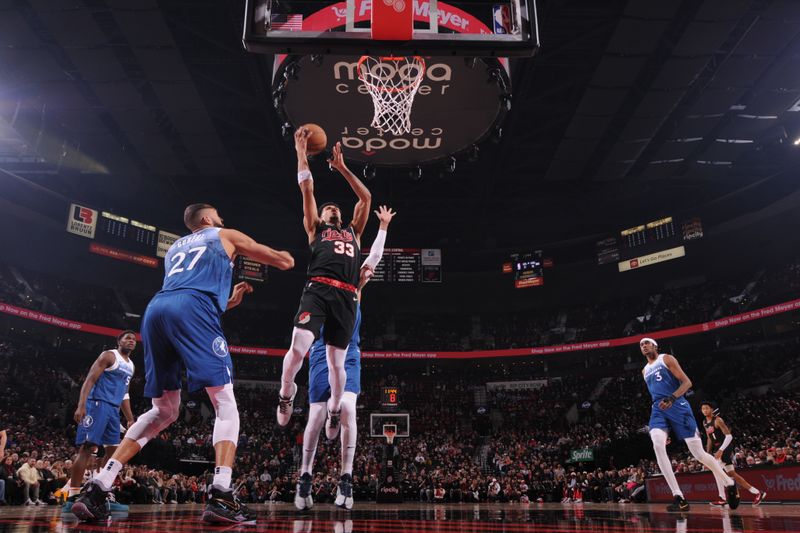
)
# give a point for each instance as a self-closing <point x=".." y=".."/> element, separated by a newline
<point x="376" y="251"/>
<point x="726" y="442"/>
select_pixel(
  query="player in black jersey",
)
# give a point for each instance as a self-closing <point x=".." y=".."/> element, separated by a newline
<point x="330" y="295"/>
<point x="718" y="443"/>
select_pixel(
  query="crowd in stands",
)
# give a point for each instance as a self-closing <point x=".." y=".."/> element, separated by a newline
<point x="666" y="308"/>
<point x="498" y="444"/>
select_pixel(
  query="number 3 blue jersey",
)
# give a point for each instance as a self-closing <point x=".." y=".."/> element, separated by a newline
<point x="660" y="381"/>
<point x="200" y="262"/>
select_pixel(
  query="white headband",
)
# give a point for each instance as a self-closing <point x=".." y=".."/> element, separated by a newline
<point x="648" y="339"/>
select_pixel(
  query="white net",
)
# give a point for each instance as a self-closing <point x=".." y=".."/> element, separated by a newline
<point x="392" y="82"/>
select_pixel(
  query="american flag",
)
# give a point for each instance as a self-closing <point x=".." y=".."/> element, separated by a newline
<point x="286" y="22"/>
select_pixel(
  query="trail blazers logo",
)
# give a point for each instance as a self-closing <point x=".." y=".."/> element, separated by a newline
<point x="304" y="318"/>
<point x="331" y="234"/>
<point x="82" y="221"/>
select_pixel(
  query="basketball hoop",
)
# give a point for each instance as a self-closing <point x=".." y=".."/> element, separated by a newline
<point x="392" y="82"/>
<point x="389" y="431"/>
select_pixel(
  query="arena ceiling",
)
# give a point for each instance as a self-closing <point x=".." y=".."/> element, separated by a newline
<point x="633" y="109"/>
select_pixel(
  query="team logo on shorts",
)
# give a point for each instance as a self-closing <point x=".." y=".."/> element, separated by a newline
<point x="87" y="421"/>
<point x="304" y="318"/>
<point x="220" y="347"/>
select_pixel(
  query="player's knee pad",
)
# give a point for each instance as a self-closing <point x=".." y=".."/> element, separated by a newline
<point x="226" y="426"/>
<point x="659" y="438"/>
<point x="163" y="413"/>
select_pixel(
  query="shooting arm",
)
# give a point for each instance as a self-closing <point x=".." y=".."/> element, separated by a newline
<point x="306" y="182"/>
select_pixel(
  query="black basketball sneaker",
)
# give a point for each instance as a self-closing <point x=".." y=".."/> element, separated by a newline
<point x="680" y="505"/>
<point x="302" y="498"/>
<point x="733" y="496"/>
<point x="344" y="492"/>
<point x="91" y="505"/>
<point x="332" y="424"/>
<point x="224" y="507"/>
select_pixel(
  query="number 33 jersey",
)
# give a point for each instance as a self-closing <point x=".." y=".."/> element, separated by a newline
<point x="335" y="254"/>
<point x="200" y="262"/>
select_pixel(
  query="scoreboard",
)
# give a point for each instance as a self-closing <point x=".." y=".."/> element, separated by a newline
<point x="409" y="265"/>
<point x="527" y="269"/>
<point x="128" y="234"/>
<point x="126" y="239"/>
<point x="389" y="397"/>
<point x="648" y="243"/>
<point x="245" y="269"/>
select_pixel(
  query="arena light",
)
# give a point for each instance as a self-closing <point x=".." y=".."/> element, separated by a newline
<point x="797" y="142"/>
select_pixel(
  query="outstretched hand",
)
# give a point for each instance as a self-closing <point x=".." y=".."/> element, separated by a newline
<point x="385" y="215"/>
<point x="301" y="140"/>
<point x="337" y="159"/>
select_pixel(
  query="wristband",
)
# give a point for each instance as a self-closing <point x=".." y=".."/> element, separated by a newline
<point x="304" y="175"/>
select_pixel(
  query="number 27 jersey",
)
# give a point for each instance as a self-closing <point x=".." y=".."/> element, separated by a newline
<point x="335" y="254"/>
<point x="199" y="262"/>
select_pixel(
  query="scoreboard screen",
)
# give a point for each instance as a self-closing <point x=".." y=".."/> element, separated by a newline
<point x="527" y="269"/>
<point x="127" y="234"/>
<point x="389" y="398"/>
<point x="658" y="230"/>
<point x="652" y="237"/>
<point x="118" y="236"/>
<point x="409" y="265"/>
<point x="246" y="269"/>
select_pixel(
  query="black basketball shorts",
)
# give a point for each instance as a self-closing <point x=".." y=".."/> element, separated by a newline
<point x="323" y="305"/>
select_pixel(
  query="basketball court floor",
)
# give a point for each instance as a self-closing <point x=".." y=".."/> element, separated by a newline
<point x="446" y="518"/>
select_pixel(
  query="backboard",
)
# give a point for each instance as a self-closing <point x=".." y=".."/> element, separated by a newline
<point x="473" y="28"/>
<point x="461" y="102"/>
<point x="377" y="421"/>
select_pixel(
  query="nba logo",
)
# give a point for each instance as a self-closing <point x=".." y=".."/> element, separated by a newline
<point x="502" y="19"/>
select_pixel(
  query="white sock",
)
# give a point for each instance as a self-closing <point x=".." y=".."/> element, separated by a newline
<point x="108" y="474"/>
<point x="659" y="438"/>
<point x="316" y="419"/>
<point x="696" y="449"/>
<point x="349" y="432"/>
<point x="222" y="478"/>
<point x="754" y="490"/>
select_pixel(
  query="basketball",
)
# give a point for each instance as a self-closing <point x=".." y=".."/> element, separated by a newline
<point x="318" y="141"/>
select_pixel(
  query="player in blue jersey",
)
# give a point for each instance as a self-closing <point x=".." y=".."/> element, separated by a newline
<point x="103" y="394"/>
<point x="667" y="383"/>
<point x="181" y="329"/>
<point x="319" y="390"/>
